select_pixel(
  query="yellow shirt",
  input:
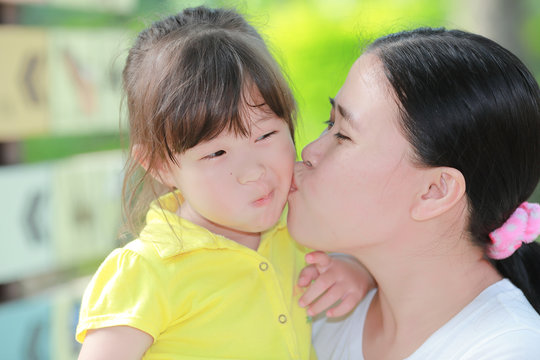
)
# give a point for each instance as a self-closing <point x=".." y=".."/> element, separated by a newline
<point x="201" y="295"/>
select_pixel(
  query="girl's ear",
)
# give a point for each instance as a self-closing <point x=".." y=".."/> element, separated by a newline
<point x="159" y="171"/>
<point x="138" y="153"/>
<point x="444" y="189"/>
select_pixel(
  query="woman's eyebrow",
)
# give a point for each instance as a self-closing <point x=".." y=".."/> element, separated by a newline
<point x="343" y="112"/>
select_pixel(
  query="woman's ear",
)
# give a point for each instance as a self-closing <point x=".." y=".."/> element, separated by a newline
<point x="159" y="171"/>
<point x="444" y="188"/>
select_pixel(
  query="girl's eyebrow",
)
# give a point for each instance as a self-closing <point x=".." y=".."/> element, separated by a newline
<point x="343" y="112"/>
<point x="266" y="115"/>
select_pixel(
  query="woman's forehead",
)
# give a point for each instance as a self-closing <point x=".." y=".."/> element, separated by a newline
<point x="364" y="84"/>
<point x="368" y="69"/>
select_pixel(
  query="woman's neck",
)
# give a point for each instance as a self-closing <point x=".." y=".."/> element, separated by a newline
<point x="419" y="291"/>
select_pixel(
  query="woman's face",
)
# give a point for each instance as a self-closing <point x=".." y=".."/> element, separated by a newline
<point x="357" y="182"/>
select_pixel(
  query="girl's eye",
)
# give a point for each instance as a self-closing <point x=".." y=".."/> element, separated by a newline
<point x="215" y="155"/>
<point x="329" y="124"/>
<point x="266" y="136"/>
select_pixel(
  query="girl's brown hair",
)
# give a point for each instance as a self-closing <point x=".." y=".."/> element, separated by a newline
<point x="186" y="80"/>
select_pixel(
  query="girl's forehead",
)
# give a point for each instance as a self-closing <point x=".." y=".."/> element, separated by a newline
<point x="258" y="118"/>
<point x="256" y="124"/>
<point x="251" y="93"/>
<point x="253" y="108"/>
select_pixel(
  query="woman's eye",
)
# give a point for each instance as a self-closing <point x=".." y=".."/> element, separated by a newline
<point x="265" y="136"/>
<point x="340" y="136"/>
<point x="214" y="155"/>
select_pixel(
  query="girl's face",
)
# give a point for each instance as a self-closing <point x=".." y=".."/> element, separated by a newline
<point x="356" y="183"/>
<point x="238" y="183"/>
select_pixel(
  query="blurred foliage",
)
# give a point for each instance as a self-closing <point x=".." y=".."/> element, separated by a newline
<point x="316" y="41"/>
<point x="529" y="32"/>
<point x="39" y="149"/>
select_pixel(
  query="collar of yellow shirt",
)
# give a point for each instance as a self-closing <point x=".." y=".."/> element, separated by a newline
<point x="171" y="235"/>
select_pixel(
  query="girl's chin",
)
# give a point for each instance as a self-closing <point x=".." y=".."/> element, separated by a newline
<point x="265" y="224"/>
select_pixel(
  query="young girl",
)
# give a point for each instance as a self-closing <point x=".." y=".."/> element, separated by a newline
<point x="212" y="273"/>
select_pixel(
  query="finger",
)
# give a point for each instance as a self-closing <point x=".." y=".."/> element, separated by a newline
<point x="344" y="307"/>
<point x="324" y="302"/>
<point x="307" y="275"/>
<point x="316" y="289"/>
<point x="318" y="258"/>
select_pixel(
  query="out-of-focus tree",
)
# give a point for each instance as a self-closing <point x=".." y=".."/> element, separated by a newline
<point x="515" y="24"/>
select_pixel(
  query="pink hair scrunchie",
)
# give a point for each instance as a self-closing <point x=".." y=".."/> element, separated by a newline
<point x="523" y="226"/>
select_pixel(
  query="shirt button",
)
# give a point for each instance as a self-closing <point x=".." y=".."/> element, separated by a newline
<point x="282" y="318"/>
<point x="263" y="266"/>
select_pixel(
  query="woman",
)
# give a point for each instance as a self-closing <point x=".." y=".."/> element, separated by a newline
<point x="432" y="148"/>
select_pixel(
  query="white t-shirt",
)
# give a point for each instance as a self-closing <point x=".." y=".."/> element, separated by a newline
<point x="498" y="324"/>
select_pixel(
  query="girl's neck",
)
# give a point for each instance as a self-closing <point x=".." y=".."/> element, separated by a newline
<point x="418" y="292"/>
<point x="250" y="240"/>
<point x="247" y="239"/>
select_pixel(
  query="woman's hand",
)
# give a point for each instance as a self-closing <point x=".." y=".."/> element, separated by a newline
<point x="335" y="282"/>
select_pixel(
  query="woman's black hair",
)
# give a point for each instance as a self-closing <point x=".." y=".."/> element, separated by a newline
<point x="468" y="103"/>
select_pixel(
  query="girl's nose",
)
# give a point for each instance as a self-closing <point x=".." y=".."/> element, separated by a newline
<point x="251" y="172"/>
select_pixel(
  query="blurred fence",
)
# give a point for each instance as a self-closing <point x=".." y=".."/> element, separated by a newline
<point x="60" y="153"/>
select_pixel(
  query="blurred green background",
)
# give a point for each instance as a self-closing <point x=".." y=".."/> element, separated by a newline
<point x="60" y="145"/>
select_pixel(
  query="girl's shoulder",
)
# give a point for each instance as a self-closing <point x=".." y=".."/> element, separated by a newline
<point x="134" y="258"/>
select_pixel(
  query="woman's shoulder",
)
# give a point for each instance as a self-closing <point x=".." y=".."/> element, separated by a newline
<point x="498" y="324"/>
<point x="504" y="306"/>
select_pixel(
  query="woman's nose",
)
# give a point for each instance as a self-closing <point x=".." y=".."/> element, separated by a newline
<point x="311" y="153"/>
